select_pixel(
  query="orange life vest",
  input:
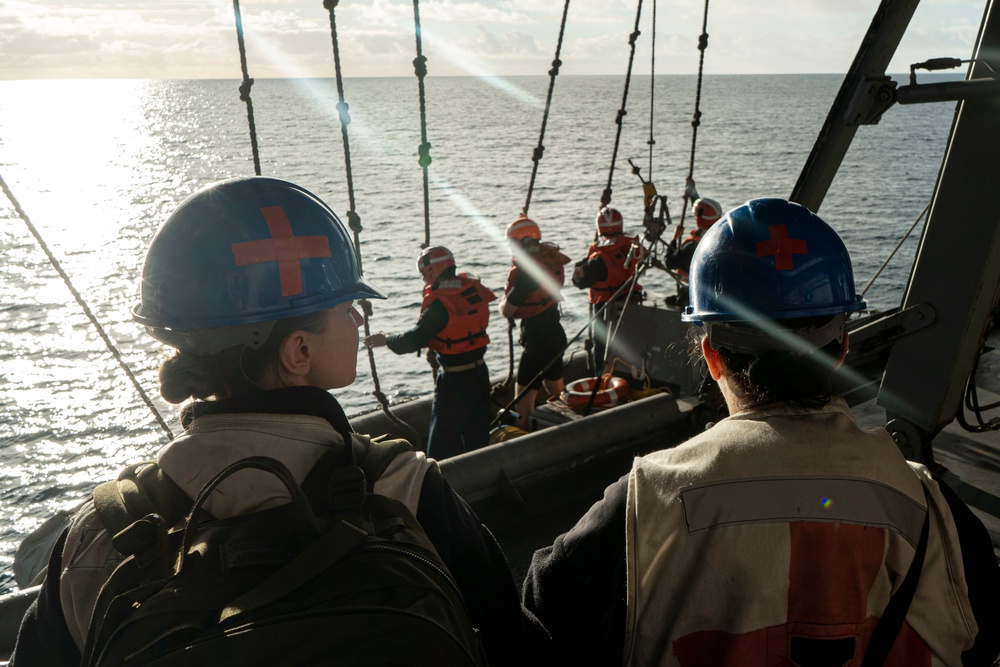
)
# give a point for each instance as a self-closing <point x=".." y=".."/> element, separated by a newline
<point x="614" y="251"/>
<point x="540" y="299"/>
<point x="465" y="299"/>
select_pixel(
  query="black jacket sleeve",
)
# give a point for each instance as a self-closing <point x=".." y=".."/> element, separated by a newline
<point x="589" y="272"/>
<point x="479" y="567"/>
<point x="680" y="257"/>
<point x="43" y="638"/>
<point x="430" y="322"/>
<point x="574" y="594"/>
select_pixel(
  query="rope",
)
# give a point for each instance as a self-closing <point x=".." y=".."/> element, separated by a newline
<point x="896" y="249"/>
<point x="424" y="150"/>
<point x="501" y="387"/>
<point x="354" y="220"/>
<point x="245" y="87"/>
<point x="536" y="155"/>
<point x="652" y="88"/>
<point x="86" y="309"/>
<point x="606" y="195"/>
<point x="696" y="118"/>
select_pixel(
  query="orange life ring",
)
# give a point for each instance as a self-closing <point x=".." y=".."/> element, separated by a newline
<point x="612" y="390"/>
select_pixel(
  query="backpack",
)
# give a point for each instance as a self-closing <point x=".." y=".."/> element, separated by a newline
<point x="338" y="576"/>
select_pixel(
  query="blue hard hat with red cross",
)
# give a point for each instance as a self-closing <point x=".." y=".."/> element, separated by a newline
<point x="244" y="251"/>
<point x="770" y="259"/>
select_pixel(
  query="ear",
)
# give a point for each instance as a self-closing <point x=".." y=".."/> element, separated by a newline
<point x="716" y="366"/>
<point x="295" y="355"/>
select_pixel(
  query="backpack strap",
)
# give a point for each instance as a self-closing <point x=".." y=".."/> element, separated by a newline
<point x="341" y="478"/>
<point x="126" y="507"/>
<point x="373" y="455"/>
<point x="891" y="621"/>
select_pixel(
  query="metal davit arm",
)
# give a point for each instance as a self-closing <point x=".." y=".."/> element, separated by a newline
<point x="865" y="93"/>
<point x="956" y="272"/>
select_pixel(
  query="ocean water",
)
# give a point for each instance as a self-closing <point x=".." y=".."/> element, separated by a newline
<point x="97" y="165"/>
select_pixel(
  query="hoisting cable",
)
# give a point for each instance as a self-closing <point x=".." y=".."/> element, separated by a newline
<point x="606" y="195"/>
<point x="86" y="309"/>
<point x="612" y="332"/>
<point x="354" y="220"/>
<point x="896" y="249"/>
<point x="245" y="87"/>
<point x="652" y="89"/>
<point x="424" y="150"/>
<point x="696" y="117"/>
<point x="536" y="155"/>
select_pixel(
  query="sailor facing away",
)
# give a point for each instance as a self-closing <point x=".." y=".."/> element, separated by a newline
<point x="785" y="534"/>
<point x="453" y="319"/>
<point x="253" y="282"/>
<point x="532" y="295"/>
<point x="610" y="263"/>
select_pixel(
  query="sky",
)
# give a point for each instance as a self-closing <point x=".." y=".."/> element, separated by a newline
<point x="191" y="39"/>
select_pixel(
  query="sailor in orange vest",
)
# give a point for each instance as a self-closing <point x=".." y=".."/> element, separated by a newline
<point x="679" y="253"/>
<point x="532" y="295"/>
<point x="610" y="263"/>
<point x="453" y="321"/>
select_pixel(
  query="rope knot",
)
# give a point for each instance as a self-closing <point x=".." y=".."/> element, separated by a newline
<point x="696" y="119"/>
<point x="703" y="41"/>
<point x="536" y="154"/>
<point x="621" y="114"/>
<point x="366" y="307"/>
<point x="556" y="64"/>
<point x="345" y="116"/>
<point x="605" y="197"/>
<point x="382" y="399"/>
<point x="420" y="66"/>
<point x="354" y="221"/>
<point x="330" y="5"/>
<point x="425" y="154"/>
<point x="245" y="89"/>
<point x="634" y="36"/>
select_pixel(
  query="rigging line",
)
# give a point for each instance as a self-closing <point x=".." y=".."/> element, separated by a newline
<point x="696" y="117"/>
<point x="606" y="195"/>
<point x="500" y="387"/>
<point x="420" y="69"/>
<point x="536" y="155"/>
<point x="354" y="220"/>
<point x="245" y="87"/>
<point x="86" y="309"/>
<point x="896" y="249"/>
<point x="652" y="89"/>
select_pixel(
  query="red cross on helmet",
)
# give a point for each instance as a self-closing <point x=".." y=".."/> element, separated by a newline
<point x="523" y="228"/>
<point x="433" y="261"/>
<point x="609" y="221"/>
<point x="770" y="259"/>
<point x="245" y="251"/>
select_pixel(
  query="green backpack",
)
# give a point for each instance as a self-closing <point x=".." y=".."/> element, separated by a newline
<point x="338" y="576"/>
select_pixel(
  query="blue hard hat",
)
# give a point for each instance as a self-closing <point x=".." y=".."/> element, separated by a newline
<point x="770" y="259"/>
<point x="244" y="251"/>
